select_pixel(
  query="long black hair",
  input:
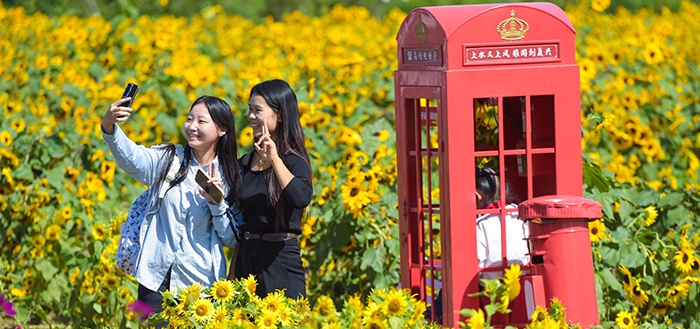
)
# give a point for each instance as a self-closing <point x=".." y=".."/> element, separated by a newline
<point x="488" y="185"/>
<point x="226" y="149"/>
<point x="278" y="94"/>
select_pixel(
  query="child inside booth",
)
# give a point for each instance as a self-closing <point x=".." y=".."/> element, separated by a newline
<point x="488" y="231"/>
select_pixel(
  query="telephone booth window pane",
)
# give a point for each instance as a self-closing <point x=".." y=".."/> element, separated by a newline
<point x="515" y="183"/>
<point x="488" y="184"/>
<point x="433" y="256"/>
<point x="486" y="123"/>
<point x="542" y="117"/>
<point x="544" y="180"/>
<point x="430" y="196"/>
<point x="514" y="123"/>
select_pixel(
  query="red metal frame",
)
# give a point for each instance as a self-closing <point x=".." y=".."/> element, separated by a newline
<point x="436" y="84"/>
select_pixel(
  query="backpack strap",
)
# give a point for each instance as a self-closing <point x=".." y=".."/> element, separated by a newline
<point x="172" y="171"/>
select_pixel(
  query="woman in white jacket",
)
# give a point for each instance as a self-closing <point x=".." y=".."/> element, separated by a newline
<point x="182" y="237"/>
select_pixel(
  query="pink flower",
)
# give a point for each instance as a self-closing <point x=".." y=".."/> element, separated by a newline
<point x="140" y="308"/>
<point x="7" y="306"/>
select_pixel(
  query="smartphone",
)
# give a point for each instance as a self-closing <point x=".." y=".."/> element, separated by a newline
<point x="213" y="190"/>
<point x="130" y="91"/>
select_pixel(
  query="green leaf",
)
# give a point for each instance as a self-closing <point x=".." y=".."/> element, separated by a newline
<point x="23" y="172"/>
<point x="491" y="309"/>
<point x="396" y="322"/>
<point x="644" y="198"/>
<point x="47" y="270"/>
<point x="672" y="198"/>
<point x="341" y="235"/>
<point x="56" y="287"/>
<point x="466" y="312"/>
<point x="593" y="177"/>
<point x="630" y="255"/>
<point x="609" y="279"/>
<point x="625" y="213"/>
<point x="371" y="258"/>
<point x="678" y="215"/>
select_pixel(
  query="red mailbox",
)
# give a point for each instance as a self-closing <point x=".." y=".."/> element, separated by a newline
<point x="480" y="85"/>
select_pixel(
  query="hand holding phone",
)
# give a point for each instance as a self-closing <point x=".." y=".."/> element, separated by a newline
<point x="130" y="91"/>
<point x="212" y="190"/>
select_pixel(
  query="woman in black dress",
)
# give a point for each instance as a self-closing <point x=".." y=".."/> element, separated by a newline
<point x="276" y="189"/>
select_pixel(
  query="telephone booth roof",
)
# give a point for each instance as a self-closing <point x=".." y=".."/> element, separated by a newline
<point x="452" y="29"/>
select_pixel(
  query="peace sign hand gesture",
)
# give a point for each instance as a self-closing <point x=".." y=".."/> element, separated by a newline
<point x="266" y="147"/>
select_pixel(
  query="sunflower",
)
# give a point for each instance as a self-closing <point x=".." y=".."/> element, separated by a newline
<point x="597" y="230"/>
<point x="678" y="291"/>
<point x="652" y="149"/>
<point x="5" y="138"/>
<point x="222" y="290"/>
<point x="325" y="307"/>
<point x="18" y="125"/>
<point x="652" y="214"/>
<point x="107" y="171"/>
<point x="266" y="320"/>
<point x="684" y="259"/>
<point x="395" y="303"/>
<point x="588" y="69"/>
<point x="660" y="308"/>
<point x="638" y="296"/>
<point x="626" y="277"/>
<point x="111" y="281"/>
<point x="625" y="320"/>
<point x="239" y="315"/>
<point x="652" y="53"/>
<point x="246" y="137"/>
<point x="220" y="314"/>
<point x="354" y="303"/>
<point x="621" y="140"/>
<point x="99" y="232"/>
<point x="250" y="285"/>
<point x="696" y="265"/>
<point x="216" y="325"/>
<point x="600" y="5"/>
<point x="194" y="291"/>
<point x="202" y="310"/>
<point x="273" y="302"/>
<point x="333" y="325"/>
<point x="419" y="308"/>
<point x="477" y="320"/>
<point x="642" y="134"/>
<point x="171" y="313"/>
<point x="511" y="279"/>
<point x="355" y="197"/>
<point x="557" y="312"/>
<point x="539" y="315"/>
<point x="285" y="317"/>
<point x="372" y="311"/>
<point x="53" y="232"/>
<point x="376" y="323"/>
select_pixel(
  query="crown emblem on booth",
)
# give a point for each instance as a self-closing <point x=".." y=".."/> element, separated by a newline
<point x="512" y="28"/>
<point x="420" y="30"/>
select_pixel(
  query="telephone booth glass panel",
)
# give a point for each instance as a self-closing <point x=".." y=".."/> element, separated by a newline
<point x="424" y="171"/>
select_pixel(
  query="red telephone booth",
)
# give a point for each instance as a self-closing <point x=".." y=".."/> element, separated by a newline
<point x="480" y="85"/>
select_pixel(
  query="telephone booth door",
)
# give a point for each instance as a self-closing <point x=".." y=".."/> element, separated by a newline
<point x="421" y="205"/>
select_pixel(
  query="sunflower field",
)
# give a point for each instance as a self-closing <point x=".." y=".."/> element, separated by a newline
<point x="63" y="200"/>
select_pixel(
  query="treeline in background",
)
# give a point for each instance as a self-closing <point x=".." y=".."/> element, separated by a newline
<point x="258" y="10"/>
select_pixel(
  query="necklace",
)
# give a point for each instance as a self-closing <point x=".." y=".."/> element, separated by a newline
<point x="261" y="163"/>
